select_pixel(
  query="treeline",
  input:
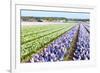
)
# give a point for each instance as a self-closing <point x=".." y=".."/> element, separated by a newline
<point x="44" y="19"/>
<point x="84" y="20"/>
<point x="49" y="19"/>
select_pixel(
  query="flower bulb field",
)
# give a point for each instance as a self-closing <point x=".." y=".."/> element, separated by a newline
<point x="69" y="41"/>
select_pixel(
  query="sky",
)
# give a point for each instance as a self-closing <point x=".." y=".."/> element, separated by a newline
<point x="55" y="14"/>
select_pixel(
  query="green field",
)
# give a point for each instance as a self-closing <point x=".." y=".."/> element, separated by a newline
<point x="36" y="37"/>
